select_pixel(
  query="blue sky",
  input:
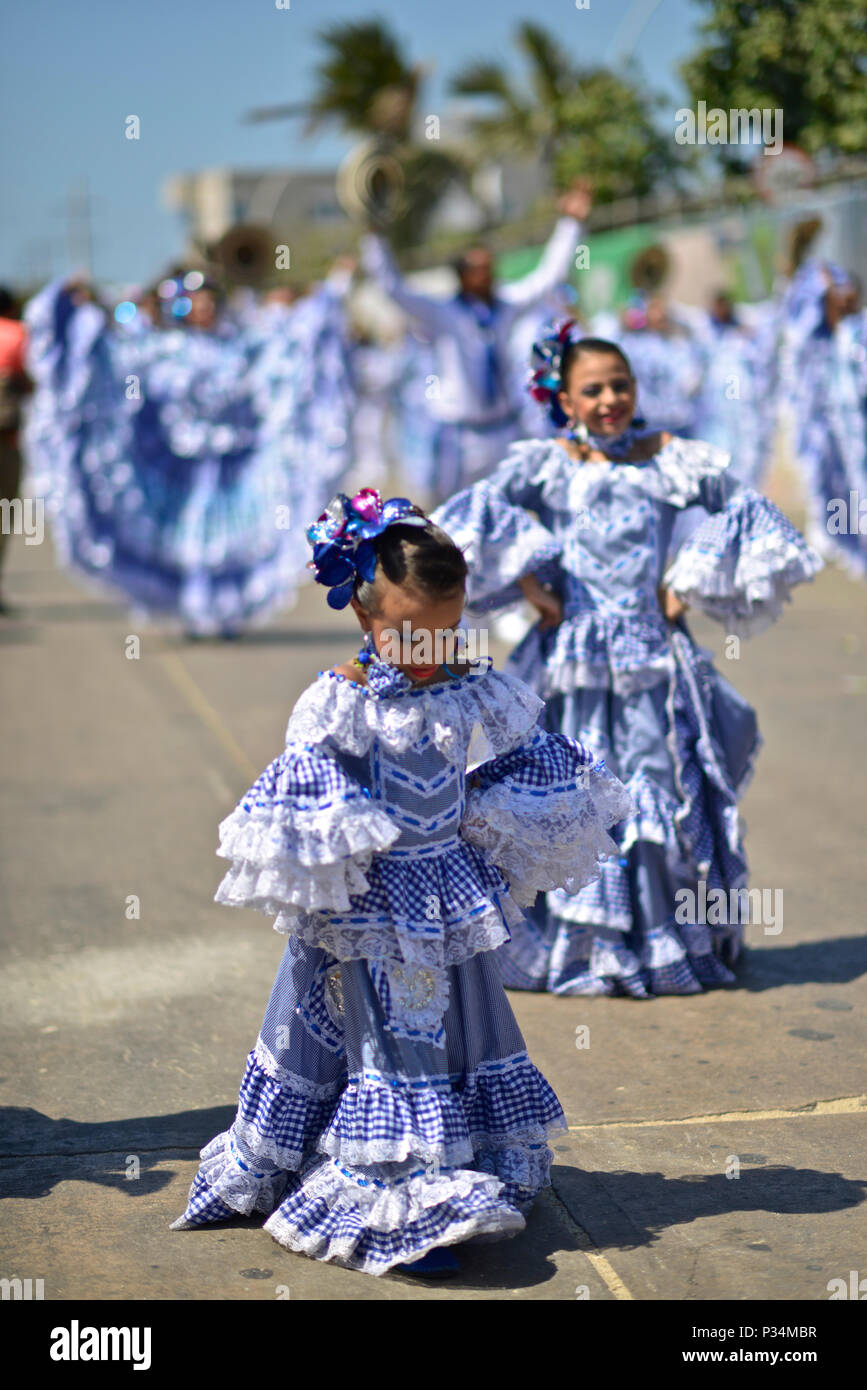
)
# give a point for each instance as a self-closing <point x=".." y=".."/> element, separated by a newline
<point x="71" y="74"/>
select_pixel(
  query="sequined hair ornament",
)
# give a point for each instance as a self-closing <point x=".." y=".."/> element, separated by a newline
<point x="546" y="360"/>
<point x="342" y="539"/>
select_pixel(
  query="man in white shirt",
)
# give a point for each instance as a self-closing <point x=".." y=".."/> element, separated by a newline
<point x="476" y="404"/>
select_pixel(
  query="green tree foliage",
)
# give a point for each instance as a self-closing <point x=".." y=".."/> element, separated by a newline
<point x="807" y="58"/>
<point x="575" y="120"/>
<point x="364" y="82"/>
<point x="367" y="86"/>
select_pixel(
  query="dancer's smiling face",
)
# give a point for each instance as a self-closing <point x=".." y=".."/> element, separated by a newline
<point x="599" y="392"/>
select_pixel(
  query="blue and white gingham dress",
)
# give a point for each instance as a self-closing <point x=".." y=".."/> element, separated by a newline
<point x="389" y="1105"/>
<point x="637" y="689"/>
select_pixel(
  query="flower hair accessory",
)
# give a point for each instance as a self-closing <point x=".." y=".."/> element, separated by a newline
<point x="545" y="378"/>
<point x="342" y="539"/>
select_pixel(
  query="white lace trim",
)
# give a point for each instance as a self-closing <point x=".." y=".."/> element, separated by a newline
<point x="746" y="585"/>
<point x="397" y="1204"/>
<point x="244" y="1192"/>
<point x="291" y="1081"/>
<point x="674" y="473"/>
<point x="359" y="1152"/>
<point x="262" y="1146"/>
<point x="351" y="716"/>
<point x="298" y="858"/>
<point x="380" y="941"/>
<point x="498" y="1223"/>
<point x="684" y="464"/>
<point x="551" y="842"/>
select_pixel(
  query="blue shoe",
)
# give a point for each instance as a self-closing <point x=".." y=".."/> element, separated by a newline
<point x="436" y="1264"/>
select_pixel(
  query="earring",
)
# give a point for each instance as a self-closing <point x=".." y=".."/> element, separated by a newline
<point x="365" y="655"/>
<point x="578" y="432"/>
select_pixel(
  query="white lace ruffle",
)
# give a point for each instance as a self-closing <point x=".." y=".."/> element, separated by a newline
<point x="290" y="1080"/>
<point x="674" y="474"/>
<point x="284" y="857"/>
<point x="398" y="1204"/>
<point x="542" y="843"/>
<point x="632" y="656"/>
<point x="351" y="717"/>
<point x="227" y="1182"/>
<point x="380" y="941"/>
<point x="684" y="464"/>
<point x="743" y="580"/>
<point x="498" y="1221"/>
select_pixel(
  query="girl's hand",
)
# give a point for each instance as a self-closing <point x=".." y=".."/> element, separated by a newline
<point x="577" y="200"/>
<point x="672" y="607"/>
<point x="547" y="605"/>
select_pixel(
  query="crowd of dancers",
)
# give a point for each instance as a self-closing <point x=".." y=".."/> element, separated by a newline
<point x="184" y="450"/>
<point x="179" y="442"/>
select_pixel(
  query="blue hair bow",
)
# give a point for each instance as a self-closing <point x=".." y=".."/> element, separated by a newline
<point x="342" y="539"/>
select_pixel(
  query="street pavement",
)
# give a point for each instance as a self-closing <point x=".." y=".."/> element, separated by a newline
<point x="716" y="1144"/>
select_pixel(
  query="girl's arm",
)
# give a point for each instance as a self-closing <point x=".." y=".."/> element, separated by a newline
<point x="302" y="837"/>
<point x="508" y="549"/>
<point x="542" y="813"/>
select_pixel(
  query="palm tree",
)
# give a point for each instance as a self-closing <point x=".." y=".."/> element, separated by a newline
<point x="572" y="120"/>
<point x="368" y="87"/>
<point x="365" y="83"/>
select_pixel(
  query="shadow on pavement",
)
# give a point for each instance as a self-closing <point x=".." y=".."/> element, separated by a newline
<point x="833" y="960"/>
<point x="29" y="1135"/>
<point x="624" y="1210"/>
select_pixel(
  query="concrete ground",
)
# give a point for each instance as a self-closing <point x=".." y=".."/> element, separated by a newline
<point x="716" y="1144"/>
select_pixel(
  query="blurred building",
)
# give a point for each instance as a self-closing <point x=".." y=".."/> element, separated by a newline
<point x="210" y="201"/>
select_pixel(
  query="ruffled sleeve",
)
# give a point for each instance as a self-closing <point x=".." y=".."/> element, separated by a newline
<point x="695" y="473"/>
<point x="302" y="837"/>
<point x="541" y="814"/>
<point x="740" y="564"/>
<point x="491" y="523"/>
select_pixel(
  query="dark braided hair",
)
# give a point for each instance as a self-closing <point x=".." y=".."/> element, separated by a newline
<point x="422" y="558"/>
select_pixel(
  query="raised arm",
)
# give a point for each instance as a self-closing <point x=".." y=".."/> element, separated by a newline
<point x="436" y="315"/>
<point x="558" y="257"/>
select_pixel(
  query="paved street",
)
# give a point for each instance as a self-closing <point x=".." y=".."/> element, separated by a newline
<point x="124" y="1038"/>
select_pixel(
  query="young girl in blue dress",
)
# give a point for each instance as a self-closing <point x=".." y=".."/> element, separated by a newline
<point x="582" y="526"/>
<point x="389" y="1108"/>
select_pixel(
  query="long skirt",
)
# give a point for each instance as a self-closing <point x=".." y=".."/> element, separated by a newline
<point x="667" y="915"/>
<point x="369" y="1149"/>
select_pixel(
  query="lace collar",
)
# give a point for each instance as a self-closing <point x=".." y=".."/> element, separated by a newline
<point x="352" y="715"/>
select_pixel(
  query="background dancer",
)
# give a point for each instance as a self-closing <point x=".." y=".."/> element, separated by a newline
<point x="581" y="525"/>
<point x="735" y="406"/>
<point x="476" y="405"/>
<point x="825" y="386"/>
<point x="174" y="461"/>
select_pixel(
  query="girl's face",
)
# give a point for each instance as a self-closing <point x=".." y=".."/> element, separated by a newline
<point x="413" y="632"/>
<point x="600" y="393"/>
